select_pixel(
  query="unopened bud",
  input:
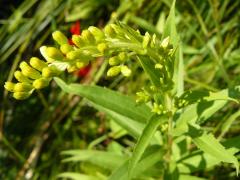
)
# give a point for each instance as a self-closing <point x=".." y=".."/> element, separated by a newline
<point x="87" y="36"/>
<point x="146" y="40"/>
<point x="21" y="95"/>
<point x="122" y="56"/>
<point x="102" y="47"/>
<point x="21" y="78"/>
<point x="40" y="83"/>
<point x="22" y="87"/>
<point x="82" y="64"/>
<point x="158" y="66"/>
<point x="66" y="48"/>
<point x="165" y="42"/>
<point x="50" y="71"/>
<point x="97" y="33"/>
<point x="113" y="61"/>
<point x="78" y="54"/>
<point x="114" y="71"/>
<point x="9" y="86"/>
<point x="78" y="41"/>
<point x="109" y="30"/>
<point x="29" y="71"/>
<point x="59" y="37"/>
<point x="37" y="63"/>
<point x="54" y="53"/>
<point x="125" y="71"/>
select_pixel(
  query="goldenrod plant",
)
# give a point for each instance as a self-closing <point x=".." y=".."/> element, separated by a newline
<point x="164" y="119"/>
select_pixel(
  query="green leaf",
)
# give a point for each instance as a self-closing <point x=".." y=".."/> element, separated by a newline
<point x="152" y="155"/>
<point x="149" y="67"/>
<point x="198" y="112"/>
<point x="107" y="160"/>
<point x="199" y="160"/>
<point x="134" y="128"/>
<point x="209" y="144"/>
<point x="143" y="142"/>
<point x="109" y="99"/>
<point x="170" y="27"/>
<point x="77" y="176"/>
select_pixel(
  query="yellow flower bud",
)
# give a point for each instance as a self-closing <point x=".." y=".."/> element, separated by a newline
<point x="97" y="33"/>
<point x="22" y="87"/>
<point x="146" y="40"/>
<point x="37" y="63"/>
<point x="125" y="71"/>
<point x="54" y="53"/>
<point x="110" y="31"/>
<point x="158" y="66"/>
<point x="78" y="40"/>
<point x="165" y="42"/>
<point x="114" y="71"/>
<point x="21" y="95"/>
<point x="40" y="83"/>
<point x="29" y="71"/>
<point x="113" y="61"/>
<point x="21" y="78"/>
<point x="122" y="56"/>
<point x="59" y="37"/>
<point x="50" y="71"/>
<point x="82" y="64"/>
<point x="9" y="86"/>
<point x="78" y="54"/>
<point x="102" y="47"/>
<point x="87" y="36"/>
<point x="66" y="48"/>
<point x="72" y="68"/>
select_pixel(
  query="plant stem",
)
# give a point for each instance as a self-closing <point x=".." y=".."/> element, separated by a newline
<point x="168" y="105"/>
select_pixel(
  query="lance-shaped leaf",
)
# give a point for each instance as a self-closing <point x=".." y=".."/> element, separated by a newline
<point x="109" y="99"/>
<point x="143" y="142"/>
<point x="210" y="145"/>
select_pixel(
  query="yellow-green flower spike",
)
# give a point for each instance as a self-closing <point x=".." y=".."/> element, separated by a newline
<point x="21" y="78"/>
<point x="78" y="40"/>
<point x="88" y="37"/>
<point x="54" y="53"/>
<point x="29" y="71"/>
<point x="50" y="71"/>
<point x="9" y="86"/>
<point x="37" y="63"/>
<point x="102" y="47"/>
<point x="114" y="71"/>
<point x="113" y="61"/>
<point x="21" y="95"/>
<point x="125" y="71"/>
<point x="66" y="48"/>
<point x="97" y="33"/>
<point x="23" y="87"/>
<point x="59" y="37"/>
<point x="40" y="83"/>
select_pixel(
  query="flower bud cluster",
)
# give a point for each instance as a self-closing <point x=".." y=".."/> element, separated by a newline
<point x="116" y="41"/>
<point x="37" y="75"/>
<point x="117" y="65"/>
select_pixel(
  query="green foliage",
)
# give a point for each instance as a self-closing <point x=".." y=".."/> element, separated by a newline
<point x="173" y="126"/>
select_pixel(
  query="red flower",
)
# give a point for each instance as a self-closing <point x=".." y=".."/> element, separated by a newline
<point x="75" y="29"/>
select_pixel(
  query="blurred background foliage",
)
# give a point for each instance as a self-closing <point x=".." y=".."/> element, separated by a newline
<point x="34" y="132"/>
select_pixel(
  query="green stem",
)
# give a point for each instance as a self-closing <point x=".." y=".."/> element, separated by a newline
<point x="169" y="107"/>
